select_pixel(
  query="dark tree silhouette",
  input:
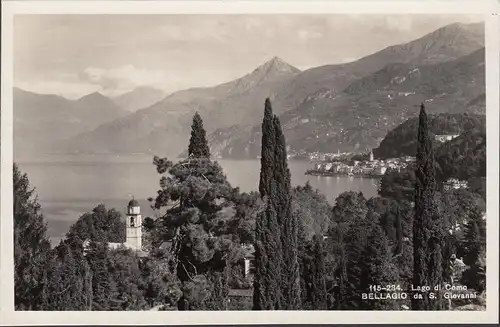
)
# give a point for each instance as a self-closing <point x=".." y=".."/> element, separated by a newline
<point x="198" y="145"/>
<point x="427" y="225"/>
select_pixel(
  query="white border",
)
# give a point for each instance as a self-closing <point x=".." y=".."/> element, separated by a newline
<point x="8" y="316"/>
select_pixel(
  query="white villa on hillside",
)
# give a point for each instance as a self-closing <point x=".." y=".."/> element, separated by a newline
<point x="445" y="138"/>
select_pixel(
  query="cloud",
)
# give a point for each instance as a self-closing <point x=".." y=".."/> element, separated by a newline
<point x="309" y="35"/>
<point x="202" y="30"/>
<point x="123" y="78"/>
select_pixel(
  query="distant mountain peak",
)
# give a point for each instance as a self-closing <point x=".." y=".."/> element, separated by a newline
<point x="93" y="96"/>
<point x="277" y="65"/>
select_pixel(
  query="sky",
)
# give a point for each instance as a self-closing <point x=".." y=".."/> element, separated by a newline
<point x="74" y="55"/>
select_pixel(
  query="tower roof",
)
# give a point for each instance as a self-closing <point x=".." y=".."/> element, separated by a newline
<point x="133" y="203"/>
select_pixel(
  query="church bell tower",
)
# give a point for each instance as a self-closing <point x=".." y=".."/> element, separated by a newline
<point x="134" y="226"/>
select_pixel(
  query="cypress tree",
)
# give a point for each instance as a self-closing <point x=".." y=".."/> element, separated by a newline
<point x="318" y="294"/>
<point x="198" y="145"/>
<point x="267" y="149"/>
<point x="277" y="280"/>
<point x="268" y="258"/>
<point x="427" y="225"/>
<point x="304" y="266"/>
<point x="399" y="231"/>
<point x="287" y="222"/>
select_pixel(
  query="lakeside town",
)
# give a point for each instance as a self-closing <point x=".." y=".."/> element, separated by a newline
<point x="359" y="165"/>
<point x="341" y="165"/>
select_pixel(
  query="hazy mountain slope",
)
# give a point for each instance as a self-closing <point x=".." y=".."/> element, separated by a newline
<point x="164" y="127"/>
<point x="139" y="98"/>
<point x="306" y="100"/>
<point x="402" y="140"/>
<point x="42" y="120"/>
<point x="447" y="43"/>
<point x="360" y="116"/>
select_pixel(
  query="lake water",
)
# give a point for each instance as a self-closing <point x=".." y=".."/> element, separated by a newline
<point x="71" y="185"/>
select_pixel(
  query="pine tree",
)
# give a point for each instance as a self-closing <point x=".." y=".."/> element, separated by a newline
<point x="427" y="226"/>
<point x="318" y="294"/>
<point x="198" y="145"/>
<point x="268" y="149"/>
<point x="195" y="195"/>
<point x="31" y="245"/>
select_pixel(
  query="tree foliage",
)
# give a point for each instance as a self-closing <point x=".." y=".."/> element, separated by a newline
<point x="198" y="145"/>
<point x="31" y="245"/>
<point x="197" y="220"/>
<point x="277" y="228"/>
<point x="401" y="141"/>
<point x="427" y="225"/>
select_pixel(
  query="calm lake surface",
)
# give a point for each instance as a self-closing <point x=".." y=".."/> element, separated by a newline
<point x="70" y="185"/>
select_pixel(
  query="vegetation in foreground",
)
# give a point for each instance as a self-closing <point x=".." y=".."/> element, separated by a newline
<point x="308" y="255"/>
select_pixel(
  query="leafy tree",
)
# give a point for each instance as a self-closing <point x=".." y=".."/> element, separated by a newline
<point x="427" y="225"/>
<point x="463" y="157"/>
<point x="101" y="225"/>
<point x="68" y="285"/>
<point x="398" y="185"/>
<point x="195" y="292"/>
<point x="104" y="288"/>
<point x="474" y="238"/>
<point x="311" y="208"/>
<point x="247" y="207"/>
<point x="336" y="246"/>
<point x="305" y="265"/>
<point x="31" y="245"/>
<point x="377" y="269"/>
<point x="219" y="291"/>
<point x="401" y="140"/>
<point x="198" y="145"/>
<point x="355" y="243"/>
<point x="349" y="206"/>
<point x="124" y="269"/>
<point x="162" y="285"/>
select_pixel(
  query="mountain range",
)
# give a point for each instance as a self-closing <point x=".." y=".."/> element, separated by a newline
<point x="138" y="98"/>
<point x="347" y="107"/>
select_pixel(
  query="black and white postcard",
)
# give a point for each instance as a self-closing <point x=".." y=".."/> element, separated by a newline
<point x="325" y="162"/>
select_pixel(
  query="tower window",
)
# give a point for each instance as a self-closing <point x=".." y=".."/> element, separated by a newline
<point x="132" y="222"/>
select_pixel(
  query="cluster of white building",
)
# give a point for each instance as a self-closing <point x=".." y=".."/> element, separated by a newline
<point x="445" y="138"/>
<point x="454" y="184"/>
<point x="364" y="168"/>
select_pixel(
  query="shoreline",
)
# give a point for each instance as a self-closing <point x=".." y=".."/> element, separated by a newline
<point x="332" y="174"/>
